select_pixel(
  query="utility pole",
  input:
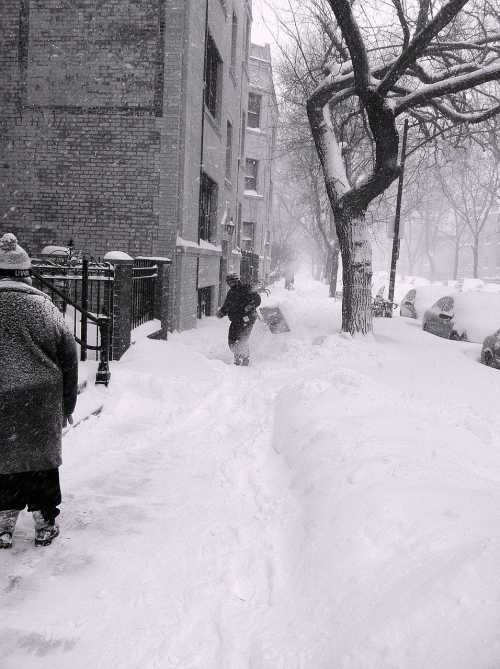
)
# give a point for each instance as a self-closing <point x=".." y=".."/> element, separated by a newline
<point x="397" y="218"/>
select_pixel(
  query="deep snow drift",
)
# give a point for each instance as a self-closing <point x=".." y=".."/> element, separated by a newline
<point x="334" y="506"/>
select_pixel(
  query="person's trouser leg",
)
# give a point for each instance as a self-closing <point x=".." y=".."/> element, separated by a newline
<point x="44" y="493"/>
<point x="12" y="501"/>
<point x="239" y="334"/>
<point x="44" y="496"/>
<point x="232" y="341"/>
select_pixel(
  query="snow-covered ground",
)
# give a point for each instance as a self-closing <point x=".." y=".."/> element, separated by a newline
<point x="334" y="506"/>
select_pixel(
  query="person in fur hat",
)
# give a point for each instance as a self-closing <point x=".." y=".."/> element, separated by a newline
<point x="38" y="389"/>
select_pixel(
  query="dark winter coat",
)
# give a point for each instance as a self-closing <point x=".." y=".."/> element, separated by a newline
<point x="241" y="301"/>
<point x="38" y="379"/>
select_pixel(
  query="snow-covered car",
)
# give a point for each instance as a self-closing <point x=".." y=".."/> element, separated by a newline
<point x="417" y="300"/>
<point x="490" y="353"/>
<point x="465" y="316"/>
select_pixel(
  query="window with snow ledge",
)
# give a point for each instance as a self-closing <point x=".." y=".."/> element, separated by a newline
<point x="254" y="105"/>
<point x="209" y="195"/>
<point x="252" y="170"/>
<point x="247" y="235"/>
<point x="234" y="41"/>
<point x="213" y="78"/>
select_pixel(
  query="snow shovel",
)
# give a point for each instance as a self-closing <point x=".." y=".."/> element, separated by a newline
<point x="274" y="319"/>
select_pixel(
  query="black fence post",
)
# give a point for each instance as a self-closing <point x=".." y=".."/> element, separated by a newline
<point x="396" y="241"/>
<point x="85" y="308"/>
<point x="122" y="305"/>
<point x="103" y="375"/>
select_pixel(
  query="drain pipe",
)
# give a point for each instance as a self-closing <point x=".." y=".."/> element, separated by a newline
<point x="203" y="111"/>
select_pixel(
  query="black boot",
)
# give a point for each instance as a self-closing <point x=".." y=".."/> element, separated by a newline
<point x="45" y="530"/>
<point x="8" y="521"/>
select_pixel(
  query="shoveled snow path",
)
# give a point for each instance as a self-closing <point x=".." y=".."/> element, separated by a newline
<point x="336" y="505"/>
<point x="166" y="553"/>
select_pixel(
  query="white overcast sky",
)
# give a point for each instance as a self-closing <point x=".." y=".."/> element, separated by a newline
<point x="262" y="15"/>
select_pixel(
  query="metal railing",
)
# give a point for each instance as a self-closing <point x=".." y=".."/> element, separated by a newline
<point x="84" y="294"/>
<point x="144" y="276"/>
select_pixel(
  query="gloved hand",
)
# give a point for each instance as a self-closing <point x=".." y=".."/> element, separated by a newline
<point x="219" y="314"/>
<point x="249" y="307"/>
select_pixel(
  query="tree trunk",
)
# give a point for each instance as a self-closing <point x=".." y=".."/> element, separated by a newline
<point x="328" y="266"/>
<point x="352" y="233"/>
<point x="456" y="259"/>
<point x="432" y="266"/>
<point x="410" y="264"/>
<point x="334" y="269"/>
<point x="475" y="257"/>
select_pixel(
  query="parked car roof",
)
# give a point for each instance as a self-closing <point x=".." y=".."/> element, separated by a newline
<point x="477" y="314"/>
<point x="423" y="297"/>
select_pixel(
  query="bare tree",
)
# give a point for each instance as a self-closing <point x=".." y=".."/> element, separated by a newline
<point x="439" y="55"/>
<point x="470" y="184"/>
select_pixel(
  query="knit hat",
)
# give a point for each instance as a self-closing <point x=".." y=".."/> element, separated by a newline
<point x="14" y="261"/>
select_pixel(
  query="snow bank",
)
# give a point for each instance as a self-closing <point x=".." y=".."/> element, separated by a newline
<point x="426" y="296"/>
<point x="336" y="505"/>
<point x="477" y="314"/>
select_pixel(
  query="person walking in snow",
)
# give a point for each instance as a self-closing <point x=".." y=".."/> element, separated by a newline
<point x="240" y="306"/>
<point x="38" y="389"/>
<point x="289" y="277"/>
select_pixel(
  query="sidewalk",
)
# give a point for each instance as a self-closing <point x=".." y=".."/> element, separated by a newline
<point x="336" y="504"/>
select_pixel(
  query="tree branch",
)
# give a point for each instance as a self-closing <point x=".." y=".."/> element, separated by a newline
<point x="355" y="44"/>
<point x="403" y="22"/>
<point x="420" y="42"/>
<point x="426" y="94"/>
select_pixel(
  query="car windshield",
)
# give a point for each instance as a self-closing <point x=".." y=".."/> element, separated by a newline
<point x="445" y="304"/>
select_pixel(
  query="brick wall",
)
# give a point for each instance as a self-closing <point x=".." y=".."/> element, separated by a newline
<point x="186" y="274"/>
<point x="100" y="126"/>
<point x="80" y="152"/>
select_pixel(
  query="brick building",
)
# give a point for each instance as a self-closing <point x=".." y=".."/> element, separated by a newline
<point x="120" y="129"/>
<point x="262" y="119"/>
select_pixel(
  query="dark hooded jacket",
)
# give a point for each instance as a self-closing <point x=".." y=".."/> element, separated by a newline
<point x="38" y="379"/>
<point x="241" y="301"/>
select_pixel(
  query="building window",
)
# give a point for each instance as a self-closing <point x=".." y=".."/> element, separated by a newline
<point x="229" y="151"/>
<point x="213" y="77"/>
<point x="251" y="174"/>
<point x="248" y="235"/>
<point x="208" y="208"/>
<point x="234" y="40"/>
<point x="254" y="102"/>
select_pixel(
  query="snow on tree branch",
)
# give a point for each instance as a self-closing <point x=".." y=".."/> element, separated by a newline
<point x="425" y="94"/>
<point x="420" y="42"/>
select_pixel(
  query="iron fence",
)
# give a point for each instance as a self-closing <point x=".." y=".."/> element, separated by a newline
<point x="144" y="276"/>
<point x="83" y="292"/>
